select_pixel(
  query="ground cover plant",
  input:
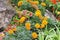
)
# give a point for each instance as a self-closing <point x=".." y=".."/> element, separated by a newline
<point x="29" y="22"/>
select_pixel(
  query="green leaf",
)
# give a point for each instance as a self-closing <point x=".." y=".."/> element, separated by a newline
<point x="41" y="36"/>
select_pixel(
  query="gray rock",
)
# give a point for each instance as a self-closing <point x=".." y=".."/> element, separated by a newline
<point x="50" y="15"/>
<point x="6" y="13"/>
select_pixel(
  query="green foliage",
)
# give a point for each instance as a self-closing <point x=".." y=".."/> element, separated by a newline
<point x="50" y="32"/>
<point x="21" y="34"/>
<point x="15" y="2"/>
<point x="27" y="6"/>
<point x="41" y="36"/>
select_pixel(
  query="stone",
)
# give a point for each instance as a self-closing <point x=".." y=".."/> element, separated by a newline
<point x="6" y="13"/>
<point x="50" y="15"/>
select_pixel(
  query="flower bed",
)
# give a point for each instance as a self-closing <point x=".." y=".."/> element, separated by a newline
<point x="29" y="23"/>
<point x="54" y="7"/>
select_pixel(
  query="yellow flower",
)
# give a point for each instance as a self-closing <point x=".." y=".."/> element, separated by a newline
<point x="2" y="34"/>
<point x="34" y="2"/>
<point x="37" y="13"/>
<point x="43" y="4"/>
<point x="14" y="29"/>
<point x="20" y="3"/>
<point x="44" y="22"/>
<point x="22" y="19"/>
<point x="42" y="26"/>
<point x="10" y="31"/>
<point x="45" y="18"/>
<point x="34" y="35"/>
<point x="28" y="0"/>
<point x="27" y="25"/>
<point x="58" y="13"/>
<point x="18" y="11"/>
<point x="41" y="17"/>
<point x="37" y="25"/>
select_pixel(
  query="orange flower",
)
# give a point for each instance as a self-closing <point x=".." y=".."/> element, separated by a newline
<point x="34" y="2"/>
<point x="41" y="17"/>
<point x="44" y="22"/>
<point x="27" y="25"/>
<point x="45" y="18"/>
<point x="10" y="31"/>
<point x="22" y="19"/>
<point x="34" y="35"/>
<point x="20" y="3"/>
<point x="43" y="4"/>
<point x="28" y="0"/>
<point x="37" y="25"/>
<point x="42" y="26"/>
<point x="58" y="13"/>
<point x="2" y="34"/>
<point x="38" y="13"/>
<point x="35" y="7"/>
<point x="14" y="29"/>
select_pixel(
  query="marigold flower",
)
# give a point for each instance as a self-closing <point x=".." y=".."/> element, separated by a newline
<point x="37" y="25"/>
<point x="41" y="17"/>
<point x="27" y="25"/>
<point x="34" y="2"/>
<point x="45" y="18"/>
<point x="58" y="13"/>
<point x="43" y="4"/>
<point x="10" y="31"/>
<point x="34" y="35"/>
<point x="2" y="34"/>
<point x="18" y="11"/>
<point x="20" y="3"/>
<point x="14" y="29"/>
<point x="44" y="22"/>
<point x="28" y="0"/>
<point x="22" y="19"/>
<point x="37" y="13"/>
<point x="35" y="7"/>
<point x="42" y="26"/>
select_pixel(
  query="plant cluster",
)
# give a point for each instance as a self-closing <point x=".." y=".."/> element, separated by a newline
<point x="29" y="23"/>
